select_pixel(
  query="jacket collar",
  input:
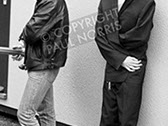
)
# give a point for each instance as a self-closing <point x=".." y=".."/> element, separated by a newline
<point x="125" y="5"/>
<point x="108" y="4"/>
<point x="113" y="4"/>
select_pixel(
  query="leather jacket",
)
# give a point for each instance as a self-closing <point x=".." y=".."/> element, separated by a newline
<point x="46" y="36"/>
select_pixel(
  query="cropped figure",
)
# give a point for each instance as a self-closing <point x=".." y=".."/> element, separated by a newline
<point x="45" y="39"/>
<point x="123" y="30"/>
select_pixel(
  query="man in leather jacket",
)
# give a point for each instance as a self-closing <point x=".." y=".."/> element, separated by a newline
<point x="122" y="37"/>
<point x="45" y="39"/>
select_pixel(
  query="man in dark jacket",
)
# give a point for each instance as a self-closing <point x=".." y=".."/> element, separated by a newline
<point x="45" y="39"/>
<point x="122" y="38"/>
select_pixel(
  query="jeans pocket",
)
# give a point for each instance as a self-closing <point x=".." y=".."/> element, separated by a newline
<point x="52" y="74"/>
<point x="36" y="74"/>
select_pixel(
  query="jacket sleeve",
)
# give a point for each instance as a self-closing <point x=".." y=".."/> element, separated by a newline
<point x="139" y="35"/>
<point x="45" y="16"/>
<point x="61" y="31"/>
<point x="110" y="54"/>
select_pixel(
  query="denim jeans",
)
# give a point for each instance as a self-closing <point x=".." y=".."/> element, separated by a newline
<point x="38" y="99"/>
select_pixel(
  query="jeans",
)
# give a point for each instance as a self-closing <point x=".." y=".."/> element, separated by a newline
<point x="38" y="99"/>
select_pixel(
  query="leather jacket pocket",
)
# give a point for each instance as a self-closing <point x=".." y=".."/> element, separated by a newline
<point x="35" y="51"/>
<point x="48" y="49"/>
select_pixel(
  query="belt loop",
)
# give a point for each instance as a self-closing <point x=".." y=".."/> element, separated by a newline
<point x="109" y="85"/>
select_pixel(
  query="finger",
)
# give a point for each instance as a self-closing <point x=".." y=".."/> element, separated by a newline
<point x="19" y="58"/>
<point x="135" y="60"/>
<point x="136" y="64"/>
<point x="14" y="57"/>
<point x="129" y="69"/>
<point x="134" y="68"/>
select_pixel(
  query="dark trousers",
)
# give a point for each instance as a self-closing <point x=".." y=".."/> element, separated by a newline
<point x="121" y="103"/>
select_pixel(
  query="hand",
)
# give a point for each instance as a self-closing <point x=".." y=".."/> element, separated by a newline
<point x="19" y="56"/>
<point x="132" y="64"/>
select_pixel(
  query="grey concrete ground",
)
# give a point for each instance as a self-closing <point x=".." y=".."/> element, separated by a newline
<point x="6" y="120"/>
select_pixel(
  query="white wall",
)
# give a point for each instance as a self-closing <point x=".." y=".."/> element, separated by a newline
<point x="78" y="86"/>
<point x="154" y="111"/>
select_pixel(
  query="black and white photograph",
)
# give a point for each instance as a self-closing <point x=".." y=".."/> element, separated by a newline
<point x="83" y="63"/>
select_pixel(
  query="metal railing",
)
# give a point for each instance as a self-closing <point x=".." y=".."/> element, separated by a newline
<point x="8" y="51"/>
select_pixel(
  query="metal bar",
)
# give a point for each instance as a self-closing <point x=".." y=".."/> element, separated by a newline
<point x="5" y="2"/>
<point x="1" y="88"/>
<point x="3" y="96"/>
<point x="9" y="51"/>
